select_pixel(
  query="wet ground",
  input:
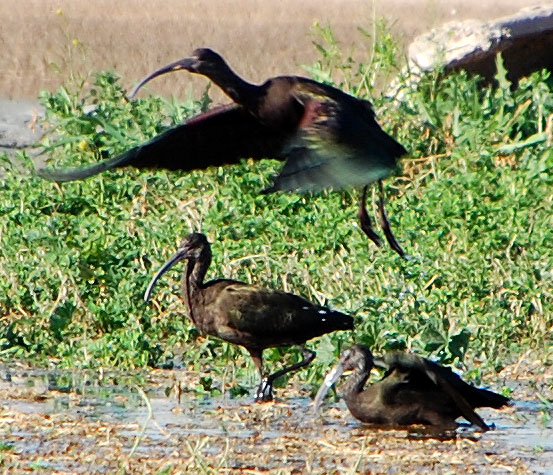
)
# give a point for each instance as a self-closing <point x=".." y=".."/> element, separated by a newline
<point x="78" y="422"/>
<point x="19" y="123"/>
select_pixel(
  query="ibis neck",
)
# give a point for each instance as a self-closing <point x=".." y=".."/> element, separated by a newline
<point x="240" y="91"/>
<point x="193" y="281"/>
<point x="355" y="382"/>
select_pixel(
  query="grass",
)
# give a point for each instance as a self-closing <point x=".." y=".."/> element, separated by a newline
<point x="472" y="208"/>
<point x="48" y="40"/>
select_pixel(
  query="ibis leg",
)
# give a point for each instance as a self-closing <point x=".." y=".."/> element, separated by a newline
<point x="265" y="390"/>
<point x="365" y="220"/>
<point x="386" y="224"/>
<point x="260" y="394"/>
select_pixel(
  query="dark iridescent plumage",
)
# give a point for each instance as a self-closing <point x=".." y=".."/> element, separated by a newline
<point x="326" y="137"/>
<point x="413" y="390"/>
<point x="247" y="315"/>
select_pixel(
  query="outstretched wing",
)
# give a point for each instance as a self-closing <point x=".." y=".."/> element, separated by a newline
<point x="221" y="136"/>
<point x="338" y="143"/>
<point x="441" y="376"/>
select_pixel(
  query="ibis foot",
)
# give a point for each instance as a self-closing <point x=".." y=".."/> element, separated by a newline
<point x="264" y="391"/>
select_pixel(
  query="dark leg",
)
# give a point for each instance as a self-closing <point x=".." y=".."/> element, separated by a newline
<point x="385" y="223"/>
<point x="257" y="357"/>
<point x="265" y="390"/>
<point x="365" y="220"/>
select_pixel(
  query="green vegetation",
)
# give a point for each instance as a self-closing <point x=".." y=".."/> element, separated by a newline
<point x="473" y="208"/>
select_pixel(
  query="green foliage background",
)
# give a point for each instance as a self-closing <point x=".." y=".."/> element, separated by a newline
<point x="473" y="209"/>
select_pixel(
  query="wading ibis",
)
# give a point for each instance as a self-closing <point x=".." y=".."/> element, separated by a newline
<point x="326" y="137"/>
<point x="413" y="390"/>
<point x="246" y="315"/>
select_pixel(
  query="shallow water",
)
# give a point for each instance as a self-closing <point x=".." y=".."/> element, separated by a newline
<point x="82" y="410"/>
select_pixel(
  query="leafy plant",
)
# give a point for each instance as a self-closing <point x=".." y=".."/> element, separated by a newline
<point x="473" y="208"/>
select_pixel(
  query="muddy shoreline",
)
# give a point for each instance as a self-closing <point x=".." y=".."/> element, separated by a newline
<point x="80" y="422"/>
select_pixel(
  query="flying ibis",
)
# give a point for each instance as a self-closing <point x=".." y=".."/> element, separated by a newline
<point x="326" y="138"/>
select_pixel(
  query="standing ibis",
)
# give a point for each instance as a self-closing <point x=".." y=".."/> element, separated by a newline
<point x="413" y="390"/>
<point x="327" y="138"/>
<point x="246" y="315"/>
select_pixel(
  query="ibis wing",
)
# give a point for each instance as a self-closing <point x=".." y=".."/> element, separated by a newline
<point x="338" y="143"/>
<point x="264" y="312"/>
<point x="272" y="316"/>
<point x="310" y="168"/>
<point x="221" y="136"/>
<point x="442" y="377"/>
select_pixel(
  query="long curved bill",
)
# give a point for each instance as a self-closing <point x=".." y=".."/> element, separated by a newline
<point x="178" y="256"/>
<point x="329" y="381"/>
<point x="175" y="66"/>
